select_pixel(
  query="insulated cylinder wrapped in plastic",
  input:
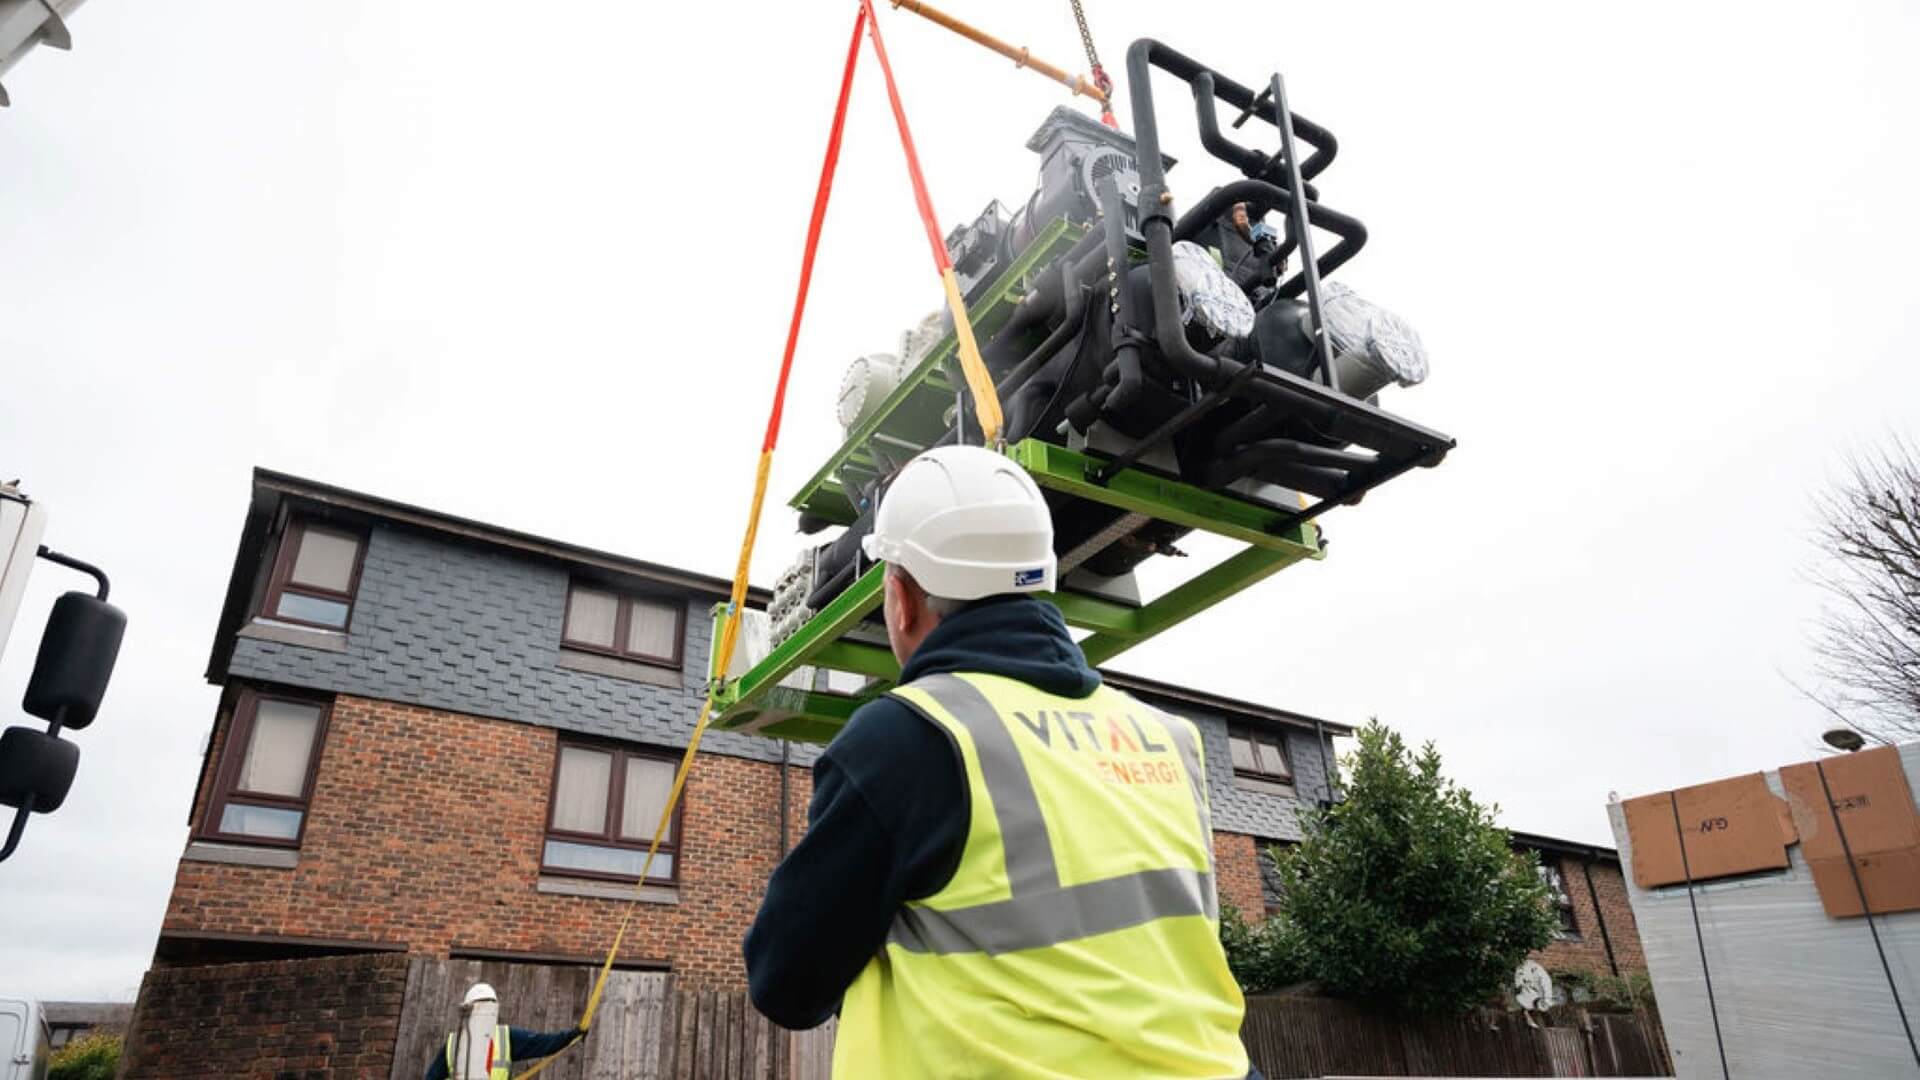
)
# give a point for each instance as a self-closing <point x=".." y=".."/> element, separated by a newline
<point x="1371" y="345"/>
<point x="867" y="383"/>
<point x="1207" y="295"/>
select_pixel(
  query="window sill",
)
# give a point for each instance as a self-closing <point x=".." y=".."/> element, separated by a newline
<point x="1264" y="787"/>
<point x="615" y="668"/>
<point x="286" y="634"/>
<point x="212" y="851"/>
<point x="554" y="885"/>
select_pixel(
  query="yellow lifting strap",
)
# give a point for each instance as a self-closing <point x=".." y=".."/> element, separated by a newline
<point x="986" y="408"/>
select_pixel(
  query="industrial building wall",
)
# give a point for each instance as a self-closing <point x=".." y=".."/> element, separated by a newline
<point x="425" y="831"/>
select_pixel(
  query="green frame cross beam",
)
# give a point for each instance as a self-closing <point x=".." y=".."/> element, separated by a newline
<point x="757" y="701"/>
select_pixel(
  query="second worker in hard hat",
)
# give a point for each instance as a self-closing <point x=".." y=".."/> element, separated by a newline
<point x="1008" y="866"/>
<point x="482" y="1048"/>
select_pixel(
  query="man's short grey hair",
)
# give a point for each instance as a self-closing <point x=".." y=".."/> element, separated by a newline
<point x="942" y="606"/>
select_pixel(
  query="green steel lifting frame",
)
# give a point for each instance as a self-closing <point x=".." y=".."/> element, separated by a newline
<point x="757" y="702"/>
<point x="767" y="700"/>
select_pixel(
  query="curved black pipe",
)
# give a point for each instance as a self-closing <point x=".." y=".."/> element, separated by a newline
<point x="1147" y="52"/>
<point x="1326" y="409"/>
<point x="1351" y="231"/>
<point x="1257" y="419"/>
<point x="1126" y="346"/>
<point x="1246" y="159"/>
<point x="1301" y="460"/>
<point x="1253" y="163"/>
<point x="1076" y="303"/>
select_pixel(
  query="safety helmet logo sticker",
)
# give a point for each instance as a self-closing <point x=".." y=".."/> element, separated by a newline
<point x="1023" y="578"/>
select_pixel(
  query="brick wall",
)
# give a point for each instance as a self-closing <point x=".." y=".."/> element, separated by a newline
<point x="425" y="830"/>
<point x="1236" y="865"/>
<point x="1588" y="952"/>
<point x="334" y="1017"/>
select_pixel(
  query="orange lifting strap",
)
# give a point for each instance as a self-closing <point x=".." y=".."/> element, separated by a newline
<point x="986" y="409"/>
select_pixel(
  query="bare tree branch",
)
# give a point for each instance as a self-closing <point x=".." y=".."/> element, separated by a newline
<point x="1867" y="638"/>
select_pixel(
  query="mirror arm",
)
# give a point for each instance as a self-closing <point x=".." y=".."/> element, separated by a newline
<point x="98" y="575"/>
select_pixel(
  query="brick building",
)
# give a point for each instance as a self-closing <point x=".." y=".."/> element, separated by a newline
<point x="441" y="738"/>
<point x="1597" y="935"/>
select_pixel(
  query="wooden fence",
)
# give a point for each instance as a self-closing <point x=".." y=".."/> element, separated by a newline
<point x="650" y="1029"/>
<point x="1291" y="1037"/>
<point x="647" y="1028"/>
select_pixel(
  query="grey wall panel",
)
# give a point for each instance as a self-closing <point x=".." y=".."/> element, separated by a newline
<point x="467" y="629"/>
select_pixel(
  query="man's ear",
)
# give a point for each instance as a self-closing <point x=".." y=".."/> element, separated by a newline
<point x="906" y="601"/>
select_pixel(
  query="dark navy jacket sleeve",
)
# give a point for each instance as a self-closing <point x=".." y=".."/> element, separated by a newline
<point x="886" y="825"/>
<point x="531" y="1046"/>
<point x="437" y="1066"/>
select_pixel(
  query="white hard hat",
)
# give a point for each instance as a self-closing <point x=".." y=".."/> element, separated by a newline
<point x="966" y="523"/>
<point x="480" y="992"/>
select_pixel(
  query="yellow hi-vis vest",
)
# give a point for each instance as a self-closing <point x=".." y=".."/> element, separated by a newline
<point x="1079" y="936"/>
<point x="501" y="1062"/>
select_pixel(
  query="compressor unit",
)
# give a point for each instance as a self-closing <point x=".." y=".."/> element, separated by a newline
<point x="1159" y="371"/>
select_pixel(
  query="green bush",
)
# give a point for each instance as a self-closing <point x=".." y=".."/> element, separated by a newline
<point x="93" y="1056"/>
<point x="1264" y="956"/>
<point x="1407" y="895"/>
<point x="1607" y="993"/>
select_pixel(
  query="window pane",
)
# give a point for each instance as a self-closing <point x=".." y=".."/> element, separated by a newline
<point x="1242" y="752"/>
<point x="564" y="855"/>
<point x="1272" y="762"/>
<point x="580" y="791"/>
<point x="277" y="754"/>
<point x="653" y="629"/>
<point x="312" y="609"/>
<point x="325" y="559"/>
<point x="648" y="780"/>
<point x="239" y="819"/>
<point x="590" y="617"/>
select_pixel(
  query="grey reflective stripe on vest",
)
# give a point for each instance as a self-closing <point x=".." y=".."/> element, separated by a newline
<point x="1183" y="736"/>
<point x="1040" y="912"/>
<point x="1069" y="914"/>
<point x="1023" y="833"/>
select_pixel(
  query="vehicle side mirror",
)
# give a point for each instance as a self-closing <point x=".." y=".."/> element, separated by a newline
<point x="77" y="654"/>
<point x="36" y="769"/>
<point x="36" y="772"/>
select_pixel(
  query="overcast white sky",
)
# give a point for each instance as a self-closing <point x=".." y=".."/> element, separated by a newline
<point x="536" y="271"/>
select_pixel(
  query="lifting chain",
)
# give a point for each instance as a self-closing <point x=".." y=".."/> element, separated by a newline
<point x="1100" y="78"/>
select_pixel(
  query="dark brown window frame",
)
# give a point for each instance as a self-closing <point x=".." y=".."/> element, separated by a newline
<point x="622" y="623"/>
<point x="616" y="798"/>
<point x="233" y="751"/>
<point x="1273" y="739"/>
<point x="1555" y="879"/>
<point x="281" y="580"/>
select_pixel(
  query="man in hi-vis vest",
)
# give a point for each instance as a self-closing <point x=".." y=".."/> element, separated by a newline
<point x="1008" y="867"/>
<point x="482" y="1048"/>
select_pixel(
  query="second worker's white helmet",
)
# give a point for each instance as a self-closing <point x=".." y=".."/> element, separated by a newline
<point x="480" y="992"/>
<point x="966" y="523"/>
